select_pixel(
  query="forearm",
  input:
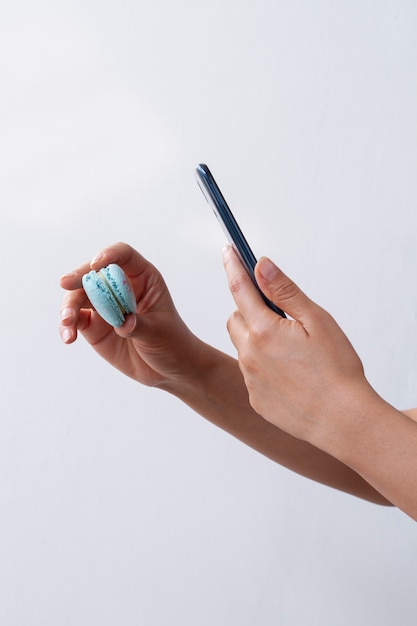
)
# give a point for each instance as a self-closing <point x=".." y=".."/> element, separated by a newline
<point x="379" y="443"/>
<point x="214" y="388"/>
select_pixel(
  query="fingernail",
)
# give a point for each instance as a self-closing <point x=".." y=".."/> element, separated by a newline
<point x="69" y="275"/>
<point x="66" y="313"/>
<point x="95" y="260"/>
<point x="226" y="250"/>
<point x="130" y="323"/>
<point x="66" y="335"/>
<point x="267" y="269"/>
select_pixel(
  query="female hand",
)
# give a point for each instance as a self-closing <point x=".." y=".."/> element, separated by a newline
<point x="152" y="344"/>
<point x="301" y="373"/>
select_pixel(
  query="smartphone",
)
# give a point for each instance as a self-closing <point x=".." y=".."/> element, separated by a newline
<point x="231" y="228"/>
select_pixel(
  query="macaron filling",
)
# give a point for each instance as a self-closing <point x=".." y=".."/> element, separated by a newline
<point x="113" y="293"/>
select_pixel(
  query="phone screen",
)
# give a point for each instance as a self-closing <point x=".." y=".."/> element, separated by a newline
<point x="214" y="197"/>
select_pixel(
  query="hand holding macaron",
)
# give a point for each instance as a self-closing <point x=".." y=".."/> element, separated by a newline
<point x="121" y="304"/>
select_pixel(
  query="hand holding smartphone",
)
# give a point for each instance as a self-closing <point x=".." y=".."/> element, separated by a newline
<point x="231" y="228"/>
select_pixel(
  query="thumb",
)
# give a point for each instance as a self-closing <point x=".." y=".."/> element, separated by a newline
<point x="132" y="327"/>
<point x="282" y="290"/>
<point x="147" y="328"/>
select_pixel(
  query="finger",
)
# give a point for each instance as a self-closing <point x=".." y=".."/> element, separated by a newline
<point x="73" y="304"/>
<point x="237" y="329"/>
<point x="247" y="298"/>
<point x="76" y="315"/>
<point x="123" y="254"/>
<point x="72" y="280"/>
<point x="69" y="327"/>
<point x="136" y="326"/>
<point x="282" y="291"/>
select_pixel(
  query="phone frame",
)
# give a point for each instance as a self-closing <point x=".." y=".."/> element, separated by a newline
<point x="215" y="198"/>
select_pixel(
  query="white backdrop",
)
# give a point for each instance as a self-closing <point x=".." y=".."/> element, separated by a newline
<point x="119" y="505"/>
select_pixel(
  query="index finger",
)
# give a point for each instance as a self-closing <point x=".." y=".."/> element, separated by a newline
<point x="133" y="263"/>
<point x="124" y="255"/>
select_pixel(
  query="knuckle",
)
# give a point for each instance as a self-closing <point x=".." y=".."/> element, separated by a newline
<point x="286" y="290"/>
<point x="236" y="284"/>
<point x="260" y="333"/>
<point x="247" y="359"/>
<point x="231" y="321"/>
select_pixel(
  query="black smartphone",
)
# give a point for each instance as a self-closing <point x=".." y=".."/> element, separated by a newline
<point x="231" y="228"/>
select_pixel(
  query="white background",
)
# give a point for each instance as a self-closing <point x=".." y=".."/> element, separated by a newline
<point x="119" y="505"/>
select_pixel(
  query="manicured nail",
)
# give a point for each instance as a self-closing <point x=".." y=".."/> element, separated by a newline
<point x="226" y="251"/>
<point x="69" y="275"/>
<point x="66" y="313"/>
<point x="267" y="269"/>
<point x="97" y="259"/>
<point x="66" y="335"/>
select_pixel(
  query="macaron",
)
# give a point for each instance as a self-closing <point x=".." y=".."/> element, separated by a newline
<point x="110" y="293"/>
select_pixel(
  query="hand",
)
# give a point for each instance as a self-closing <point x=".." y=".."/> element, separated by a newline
<point x="152" y="344"/>
<point x="300" y="373"/>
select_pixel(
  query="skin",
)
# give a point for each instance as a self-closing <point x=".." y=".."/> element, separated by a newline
<point x="304" y="377"/>
<point x="349" y="439"/>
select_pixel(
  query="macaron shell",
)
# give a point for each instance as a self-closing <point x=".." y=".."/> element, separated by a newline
<point x="119" y="284"/>
<point x="105" y="288"/>
<point x="102" y="299"/>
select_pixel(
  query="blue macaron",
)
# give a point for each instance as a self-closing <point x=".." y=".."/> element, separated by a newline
<point x="110" y="293"/>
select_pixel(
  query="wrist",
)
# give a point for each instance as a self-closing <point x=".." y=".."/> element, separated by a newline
<point x="348" y="421"/>
<point x="192" y="366"/>
<point x="378" y="442"/>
